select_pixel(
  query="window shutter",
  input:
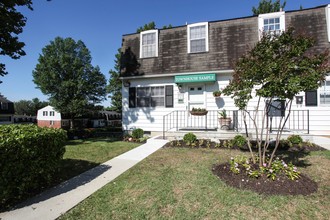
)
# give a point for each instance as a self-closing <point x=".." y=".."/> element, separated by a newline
<point x="311" y="98"/>
<point x="132" y="97"/>
<point x="169" y="96"/>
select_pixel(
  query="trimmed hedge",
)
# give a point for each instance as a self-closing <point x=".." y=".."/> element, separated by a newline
<point x="29" y="157"/>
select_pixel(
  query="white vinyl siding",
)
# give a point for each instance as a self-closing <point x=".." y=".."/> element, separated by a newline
<point x="149" y="44"/>
<point x="198" y="38"/>
<point x="48" y="113"/>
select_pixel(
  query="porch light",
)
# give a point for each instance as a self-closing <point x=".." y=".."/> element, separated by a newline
<point x="126" y="83"/>
<point x="179" y="86"/>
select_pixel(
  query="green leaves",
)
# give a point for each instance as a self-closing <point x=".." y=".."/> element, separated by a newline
<point x="65" y="73"/>
<point x="12" y="23"/>
<point x="278" y="66"/>
<point x="267" y="6"/>
<point x="29" y="157"/>
<point x="114" y="86"/>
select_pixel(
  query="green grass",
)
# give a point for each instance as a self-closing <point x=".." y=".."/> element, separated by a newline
<point x="82" y="155"/>
<point x="179" y="184"/>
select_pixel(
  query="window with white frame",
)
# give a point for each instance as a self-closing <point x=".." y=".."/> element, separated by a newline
<point x="271" y="23"/>
<point x="324" y="92"/>
<point x="45" y="113"/>
<point x="198" y="37"/>
<point x="149" y="44"/>
<point x="51" y="123"/>
<point x="150" y="96"/>
<point x="327" y="13"/>
<point x="51" y="113"/>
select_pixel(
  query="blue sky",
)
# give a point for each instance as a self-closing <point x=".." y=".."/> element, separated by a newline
<point x="100" y="24"/>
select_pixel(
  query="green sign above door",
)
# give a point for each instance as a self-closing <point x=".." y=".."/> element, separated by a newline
<point x="210" y="77"/>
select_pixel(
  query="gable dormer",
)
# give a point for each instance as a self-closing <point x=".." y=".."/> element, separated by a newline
<point x="198" y="37"/>
<point x="271" y="23"/>
<point x="149" y="44"/>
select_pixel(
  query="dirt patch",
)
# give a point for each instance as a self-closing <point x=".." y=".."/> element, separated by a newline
<point x="263" y="185"/>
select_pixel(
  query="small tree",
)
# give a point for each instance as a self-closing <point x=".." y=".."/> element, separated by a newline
<point x="278" y="67"/>
<point x="65" y="73"/>
<point x="268" y="6"/>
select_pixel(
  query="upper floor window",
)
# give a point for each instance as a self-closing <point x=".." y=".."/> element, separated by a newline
<point x="327" y="13"/>
<point x="198" y="37"/>
<point x="271" y="23"/>
<point x="51" y="113"/>
<point x="149" y="44"/>
<point x="44" y="113"/>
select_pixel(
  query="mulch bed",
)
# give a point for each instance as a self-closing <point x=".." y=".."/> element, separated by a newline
<point x="263" y="185"/>
<point x="221" y="145"/>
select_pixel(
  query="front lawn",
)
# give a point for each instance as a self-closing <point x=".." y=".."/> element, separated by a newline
<point x="82" y="155"/>
<point x="177" y="183"/>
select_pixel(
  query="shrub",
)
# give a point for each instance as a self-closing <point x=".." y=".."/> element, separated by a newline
<point x="239" y="141"/>
<point x="295" y="139"/>
<point x="245" y="165"/>
<point x="29" y="157"/>
<point x="137" y="133"/>
<point x="189" y="138"/>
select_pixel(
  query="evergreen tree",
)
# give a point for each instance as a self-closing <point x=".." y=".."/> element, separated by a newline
<point x="114" y="87"/>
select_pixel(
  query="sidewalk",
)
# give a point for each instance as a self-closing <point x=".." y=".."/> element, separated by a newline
<point x="321" y="141"/>
<point x="58" y="200"/>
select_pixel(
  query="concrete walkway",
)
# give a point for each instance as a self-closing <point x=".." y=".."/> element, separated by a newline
<point x="321" y="141"/>
<point x="60" y="199"/>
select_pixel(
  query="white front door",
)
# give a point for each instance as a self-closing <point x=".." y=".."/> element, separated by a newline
<point x="196" y="99"/>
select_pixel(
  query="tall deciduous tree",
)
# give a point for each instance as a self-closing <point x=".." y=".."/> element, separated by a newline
<point x="66" y="75"/>
<point x="278" y="67"/>
<point x="268" y="6"/>
<point x="12" y="23"/>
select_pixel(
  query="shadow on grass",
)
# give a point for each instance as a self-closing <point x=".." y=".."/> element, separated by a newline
<point x="92" y="140"/>
<point x="298" y="158"/>
<point x="72" y="174"/>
